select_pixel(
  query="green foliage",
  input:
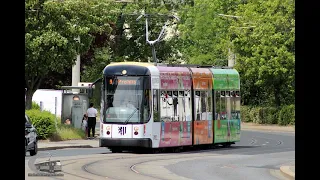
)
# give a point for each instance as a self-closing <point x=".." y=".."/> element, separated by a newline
<point x="129" y="40"/>
<point x="262" y="38"/>
<point x="35" y="105"/>
<point x="204" y="34"/>
<point x="43" y="121"/>
<point x="287" y="115"/>
<point x="254" y="115"/>
<point x="50" y="31"/>
<point x="269" y="115"/>
<point x="245" y="114"/>
<point x="102" y="57"/>
<point x="266" y="51"/>
<point x="67" y="132"/>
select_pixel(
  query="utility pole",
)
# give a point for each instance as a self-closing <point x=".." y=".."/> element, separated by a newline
<point x="231" y="58"/>
<point x="231" y="55"/>
<point x="76" y="70"/>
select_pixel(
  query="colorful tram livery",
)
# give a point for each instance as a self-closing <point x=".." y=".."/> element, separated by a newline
<point x="148" y="106"/>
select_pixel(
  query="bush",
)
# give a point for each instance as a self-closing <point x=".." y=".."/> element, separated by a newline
<point x="245" y="114"/>
<point x="287" y="115"/>
<point x="35" y="105"/>
<point x="271" y="115"/>
<point x="67" y="132"/>
<point x="43" y="121"/>
<point x="254" y="115"/>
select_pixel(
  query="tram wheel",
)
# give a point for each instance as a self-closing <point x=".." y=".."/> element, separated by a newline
<point x="226" y="145"/>
<point x="176" y="150"/>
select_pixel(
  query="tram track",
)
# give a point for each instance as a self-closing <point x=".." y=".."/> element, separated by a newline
<point x="142" y="159"/>
<point x="158" y="157"/>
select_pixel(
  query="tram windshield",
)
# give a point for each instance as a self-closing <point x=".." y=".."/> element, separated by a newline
<point x="127" y="99"/>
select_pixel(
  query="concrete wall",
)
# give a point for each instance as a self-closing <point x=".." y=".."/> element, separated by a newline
<point x="47" y="96"/>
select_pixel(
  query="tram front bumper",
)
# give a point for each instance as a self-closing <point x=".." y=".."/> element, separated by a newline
<point x="125" y="142"/>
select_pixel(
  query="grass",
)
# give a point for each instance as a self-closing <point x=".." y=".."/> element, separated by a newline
<point x="67" y="132"/>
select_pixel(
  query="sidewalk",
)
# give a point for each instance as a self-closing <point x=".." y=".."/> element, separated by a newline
<point x="288" y="171"/>
<point x="263" y="127"/>
<point x="44" y="145"/>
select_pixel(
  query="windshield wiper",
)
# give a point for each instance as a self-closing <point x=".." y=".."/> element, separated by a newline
<point x="127" y="120"/>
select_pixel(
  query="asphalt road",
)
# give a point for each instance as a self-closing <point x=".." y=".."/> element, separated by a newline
<point x="258" y="155"/>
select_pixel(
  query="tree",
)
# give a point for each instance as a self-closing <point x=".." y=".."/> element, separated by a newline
<point x="51" y="28"/>
<point x="127" y="39"/>
<point x="266" y="52"/>
<point x="204" y="34"/>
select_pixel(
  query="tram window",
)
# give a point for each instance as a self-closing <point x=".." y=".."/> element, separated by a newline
<point x="146" y="105"/>
<point x="163" y="93"/>
<point x="175" y="93"/>
<point x="197" y="93"/>
<point x="173" y="102"/>
<point x="218" y="105"/>
<point x="198" y="105"/>
<point x="228" y="105"/>
<point x="181" y="93"/>
<point x="223" y="109"/>
<point x="156" y="114"/>
<point x="237" y="93"/>
<point x="203" y="98"/>
<point x="181" y="107"/>
<point x="187" y="106"/>
<point x="164" y="106"/>
<point x="233" y="105"/>
<point x="209" y="105"/>
<point x="237" y="105"/>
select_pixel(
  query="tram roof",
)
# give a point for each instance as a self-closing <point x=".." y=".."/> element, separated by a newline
<point x="225" y="79"/>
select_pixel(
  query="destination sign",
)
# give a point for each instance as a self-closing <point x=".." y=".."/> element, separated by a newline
<point x="125" y="82"/>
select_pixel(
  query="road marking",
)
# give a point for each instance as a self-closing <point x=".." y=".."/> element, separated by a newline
<point x="279" y="142"/>
<point x="253" y="141"/>
<point x="132" y="168"/>
<point x="267" y="142"/>
<point x="228" y="166"/>
<point x="263" y="144"/>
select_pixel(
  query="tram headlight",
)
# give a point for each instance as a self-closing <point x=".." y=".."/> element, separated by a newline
<point x="136" y="129"/>
<point x="108" y="128"/>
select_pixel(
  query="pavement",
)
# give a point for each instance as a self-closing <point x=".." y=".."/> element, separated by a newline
<point x="44" y="145"/>
<point x="270" y="128"/>
<point x="287" y="170"/>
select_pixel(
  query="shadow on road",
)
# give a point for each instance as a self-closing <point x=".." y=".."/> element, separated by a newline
<point x="188" y="150"/>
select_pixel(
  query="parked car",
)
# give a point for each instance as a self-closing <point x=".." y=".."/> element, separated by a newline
<point x="31" y="137"/>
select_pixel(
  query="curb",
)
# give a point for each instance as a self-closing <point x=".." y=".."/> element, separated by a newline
<point x="287" y="172"/>
<point x="63" y="147"/>
<point x="268" y="130"/>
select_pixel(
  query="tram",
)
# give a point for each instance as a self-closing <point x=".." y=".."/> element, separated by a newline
<point x="159" y="106"/>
